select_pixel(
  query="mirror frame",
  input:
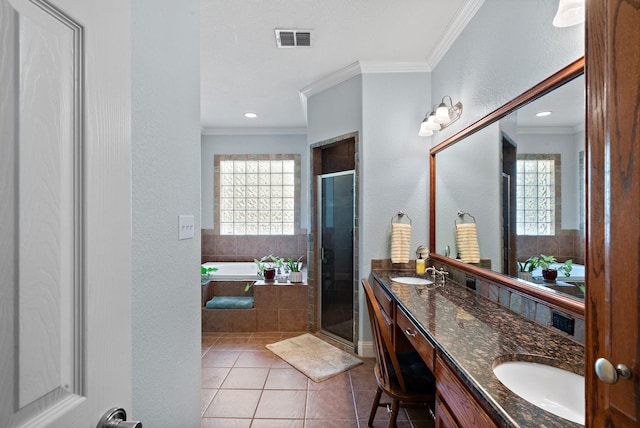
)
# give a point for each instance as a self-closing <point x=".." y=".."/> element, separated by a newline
<point x="537" y="293"/>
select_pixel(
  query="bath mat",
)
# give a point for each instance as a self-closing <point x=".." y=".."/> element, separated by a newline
<point x="315" y="358"/>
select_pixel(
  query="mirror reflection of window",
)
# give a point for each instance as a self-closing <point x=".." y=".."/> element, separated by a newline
<point x="536" y="194"/>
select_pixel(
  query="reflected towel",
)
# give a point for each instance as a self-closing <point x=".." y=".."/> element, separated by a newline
<point x="467" y="240"/>
<point x="400" y="242"/>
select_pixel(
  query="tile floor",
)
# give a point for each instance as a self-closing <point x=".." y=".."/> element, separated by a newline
<point x="245" y="385"/>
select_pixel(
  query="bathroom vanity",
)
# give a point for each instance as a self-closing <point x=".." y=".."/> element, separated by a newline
<point x="461" y="336"/>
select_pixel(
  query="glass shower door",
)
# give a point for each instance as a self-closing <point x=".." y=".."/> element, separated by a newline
<point x="337" y="206"/>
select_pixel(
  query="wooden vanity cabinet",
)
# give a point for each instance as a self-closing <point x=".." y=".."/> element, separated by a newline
<point x="455" y="406"/>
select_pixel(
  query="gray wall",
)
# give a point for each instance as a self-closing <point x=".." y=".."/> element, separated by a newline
<point x="468" y="178"/>
<point x="252" y="144"/>
<point x="386" y="108"/>
<point x="165" y="171"/>
<point x="335" y="111"/>
<point x="508" y="47"/>
<point x="394" y="160"/>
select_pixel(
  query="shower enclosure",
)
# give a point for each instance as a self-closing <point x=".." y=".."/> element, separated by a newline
<point x="337" y="213"/>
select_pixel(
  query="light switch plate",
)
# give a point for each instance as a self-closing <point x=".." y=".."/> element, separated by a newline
<point x="186" y="225"/>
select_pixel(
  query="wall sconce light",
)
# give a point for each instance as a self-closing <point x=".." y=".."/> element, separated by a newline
<point x="570" y="12"/>
<point x="440" y="117"/>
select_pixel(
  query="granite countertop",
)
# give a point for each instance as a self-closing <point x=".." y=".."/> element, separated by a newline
<point x="470" y="332"/>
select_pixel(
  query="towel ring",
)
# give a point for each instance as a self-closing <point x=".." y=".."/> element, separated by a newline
<point x="400" y="216"/>
<point x="461" y="215"/>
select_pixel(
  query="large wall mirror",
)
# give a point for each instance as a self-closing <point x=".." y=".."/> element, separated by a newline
<point x="516" y="179"/>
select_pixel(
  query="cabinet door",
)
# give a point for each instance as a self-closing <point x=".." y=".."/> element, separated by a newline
<point x="463" y="408"/>
<point x="443" y="417"/>
<point x="613" y="124"/>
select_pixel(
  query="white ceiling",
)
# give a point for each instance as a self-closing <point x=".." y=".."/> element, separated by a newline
<point x="242" y="70"/>
<point x="567" y="107"/>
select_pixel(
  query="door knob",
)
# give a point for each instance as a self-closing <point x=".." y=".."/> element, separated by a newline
<point x="608" y="373"/>
<point x="117" y="418"/>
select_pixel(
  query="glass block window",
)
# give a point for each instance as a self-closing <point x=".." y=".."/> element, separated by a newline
<point x="257" y="194"/>
<point x="537" y="187"/>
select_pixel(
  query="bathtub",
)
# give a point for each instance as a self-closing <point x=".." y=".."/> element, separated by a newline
<point x="577" y="273"/>
<point x="233" y="271"/>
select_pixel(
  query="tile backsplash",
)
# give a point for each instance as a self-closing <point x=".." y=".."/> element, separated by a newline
<point x="518" y="303"/>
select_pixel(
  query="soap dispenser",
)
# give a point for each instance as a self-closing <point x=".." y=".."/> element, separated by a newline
<point x="420" y="265"/>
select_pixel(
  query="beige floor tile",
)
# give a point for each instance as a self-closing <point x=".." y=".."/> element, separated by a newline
<point x="215" y="358"/>
<point x="225" y="423"/>
<point x="285" y="378"/>
<point x="281" y="404"/>
<point x="233" y="403"/>
<point x="330" y="404"/>
<point x="212" y="377"/>
<point x="246" y="378"/>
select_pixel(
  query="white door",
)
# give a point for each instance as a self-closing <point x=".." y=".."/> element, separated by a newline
<point x="65" y="340"/>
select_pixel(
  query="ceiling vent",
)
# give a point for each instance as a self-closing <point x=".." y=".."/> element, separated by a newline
<point x="293" y="38"/>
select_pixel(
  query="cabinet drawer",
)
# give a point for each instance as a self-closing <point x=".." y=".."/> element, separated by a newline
<point x="419" y="342"/>
<point x="460" y="403"/>
<point x="384" y="298"/>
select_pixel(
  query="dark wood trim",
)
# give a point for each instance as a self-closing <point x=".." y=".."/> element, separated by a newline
<point x="571" y="71"/>
<point x="565" y="304"/>
<point x="612" y="46"/>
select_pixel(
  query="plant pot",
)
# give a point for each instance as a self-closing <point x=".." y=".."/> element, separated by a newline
<point x="525" y="275"/>
<point x="269" y="274"/>
<point x="549" y="275"/>
<point x="295" y="276"/>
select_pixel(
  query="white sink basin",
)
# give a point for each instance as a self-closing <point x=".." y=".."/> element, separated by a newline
<point x="555" y="390"/>
<point x="412" y="280"/>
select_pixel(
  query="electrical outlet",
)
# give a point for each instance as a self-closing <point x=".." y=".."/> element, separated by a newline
<point x="563" y="322"/>
<point x="471" y="282"/>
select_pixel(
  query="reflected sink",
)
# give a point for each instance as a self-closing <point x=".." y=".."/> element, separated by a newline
<point x="410" y="280"/>
<point x="553" y="389"/>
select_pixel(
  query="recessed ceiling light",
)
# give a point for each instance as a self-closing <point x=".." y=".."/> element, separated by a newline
<point x="250" y="115"/>
<point x="543" y="113"/>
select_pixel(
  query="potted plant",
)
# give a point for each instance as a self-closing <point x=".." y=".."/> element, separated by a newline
<point x="526" y="267"/>
<point x="267" y="266"/>
<point x="550" y="273"/>
<point x="205" y="271"/>
<point x="293" y="266"/>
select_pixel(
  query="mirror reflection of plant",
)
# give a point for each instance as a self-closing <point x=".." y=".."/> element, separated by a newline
<point x="545" y="262"/>
<point x="528" y="265"/>
<point x="293" y="265"/>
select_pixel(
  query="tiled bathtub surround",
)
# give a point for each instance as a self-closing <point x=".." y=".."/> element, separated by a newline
<point x="566" y="244"/>
<point x="243" y="248"/>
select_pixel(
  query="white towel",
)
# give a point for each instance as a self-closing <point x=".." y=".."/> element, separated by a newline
<point x="400" y="242"/>
<point x="467" y="239"/>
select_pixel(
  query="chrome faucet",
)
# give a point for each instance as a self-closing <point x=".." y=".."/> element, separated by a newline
<point x="437" y="275"/>
<point x="432" y="270"/>
<point x="443" y="273"/>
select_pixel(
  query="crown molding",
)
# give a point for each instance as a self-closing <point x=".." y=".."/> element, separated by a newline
<point x="462" y="17"/>
<point x="465" y="12"/>
<point x="253" y="131"/>
<point x="358" y="68"/>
